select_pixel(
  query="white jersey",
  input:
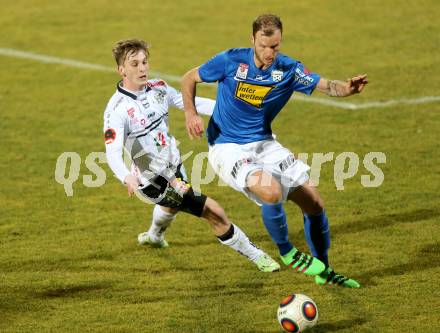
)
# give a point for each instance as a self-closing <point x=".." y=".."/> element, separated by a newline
<point x="138" y="122"/>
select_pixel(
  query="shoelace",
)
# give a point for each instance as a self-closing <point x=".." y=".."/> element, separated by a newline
<point x="333" y="277"/>
<point x="299" y="259"/>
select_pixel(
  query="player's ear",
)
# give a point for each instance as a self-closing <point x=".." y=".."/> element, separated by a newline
<point x="121" y="70"/>
<point x="252" y="40"/>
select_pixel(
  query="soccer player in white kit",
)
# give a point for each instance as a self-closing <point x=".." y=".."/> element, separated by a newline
<point x="136" y="119"/>
<point x="254" y="84"/>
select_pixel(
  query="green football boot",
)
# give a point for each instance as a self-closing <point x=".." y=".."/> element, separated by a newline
<point x="329" y="276"/>
<point x="267" y="264"/>
<point x="303" y="262"/>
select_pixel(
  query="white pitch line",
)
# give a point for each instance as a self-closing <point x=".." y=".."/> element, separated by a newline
<point x="72" y="63"/>
<point x="368" y="105"/>
<point x="53" y="60"/>
<point x="173" y="78"/>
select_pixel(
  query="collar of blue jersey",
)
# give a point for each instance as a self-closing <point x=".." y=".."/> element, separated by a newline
<point x="259" y="70"/>
<point x="129" y="93"/>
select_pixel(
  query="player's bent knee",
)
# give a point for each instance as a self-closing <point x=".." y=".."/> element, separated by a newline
<point x="271" y="196"/>
<point x="316" y="206"/>
<point x="169" y="210"/>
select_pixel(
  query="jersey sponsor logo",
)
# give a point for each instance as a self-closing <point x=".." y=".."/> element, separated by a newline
<point x="277" y="75"/>
<point x="144" y="100"/>
<point x="303" y="78"/>
<point x="145" y="103"/>
<point x="252" y="94"/>
<point x="130" y="112"/>
<point x="161" y="140"/>
<point x="242" y="71"/>
<point x="109" y="136"/>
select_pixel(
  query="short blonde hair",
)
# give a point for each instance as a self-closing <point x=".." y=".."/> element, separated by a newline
<point x="127" y="47"/>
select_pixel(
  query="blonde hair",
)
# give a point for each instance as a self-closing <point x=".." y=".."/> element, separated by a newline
<point x="127" y="47"/>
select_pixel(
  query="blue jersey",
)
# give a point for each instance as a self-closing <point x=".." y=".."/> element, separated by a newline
<point x="248" y="98"/>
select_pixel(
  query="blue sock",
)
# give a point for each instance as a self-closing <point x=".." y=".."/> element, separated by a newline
<point x="275" y="220"/>
<point x="317" y="235"/>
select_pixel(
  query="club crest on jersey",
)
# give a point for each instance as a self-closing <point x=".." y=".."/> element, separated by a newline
<point x="159" y="96"/>
<point x="277" y="75"/>
<point x="242" y="71"/>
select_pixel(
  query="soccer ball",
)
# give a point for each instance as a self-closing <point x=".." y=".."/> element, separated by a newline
<point x="297" y="313"/>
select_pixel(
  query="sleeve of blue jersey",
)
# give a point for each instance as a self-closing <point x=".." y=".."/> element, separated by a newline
<point x="214" y="69"/>
<point x="305" y="81"/>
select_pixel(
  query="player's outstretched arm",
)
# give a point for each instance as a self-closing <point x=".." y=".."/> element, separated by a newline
<point x="194" y="123"/>
<point x="335" y="88"/>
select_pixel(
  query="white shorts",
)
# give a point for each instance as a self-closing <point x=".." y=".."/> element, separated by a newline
<point x="235" y="164"/>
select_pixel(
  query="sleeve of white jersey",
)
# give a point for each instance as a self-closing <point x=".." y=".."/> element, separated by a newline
<point x="114" y="133"/>
<point x="204" y="105"/>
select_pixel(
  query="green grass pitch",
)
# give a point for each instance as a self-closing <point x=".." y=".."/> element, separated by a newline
<point x="72" y="264"/>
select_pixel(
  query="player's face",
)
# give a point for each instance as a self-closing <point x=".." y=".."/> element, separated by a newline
<point x="134" y="71"/>
<point x="266" y="48"/>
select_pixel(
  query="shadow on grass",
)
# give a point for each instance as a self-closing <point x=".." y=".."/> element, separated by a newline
<point x="427" y="258"/>
<point x="200" y="293"/>
<point x="14" y="303"/>
<point x="338" y="325"/>
<point x="160" y="271"/>
<point x="202" y="240"/>
<point x="52" y="264"/>
<point x="72" y="291"/>
<point x="324" y="327"/>
<point x="383" y="221"/>
<point x="241" y="289"/>
<point x="367" y="223"/>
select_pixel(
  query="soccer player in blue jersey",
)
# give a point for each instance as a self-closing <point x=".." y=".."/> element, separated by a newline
<point x="254" y="84"/>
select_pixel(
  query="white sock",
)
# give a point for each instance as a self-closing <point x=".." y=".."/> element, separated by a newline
<point x="160" y="222"/>
<point x="241" y="243"/>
